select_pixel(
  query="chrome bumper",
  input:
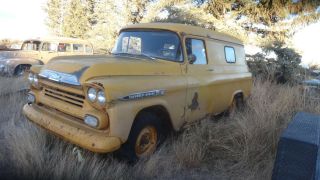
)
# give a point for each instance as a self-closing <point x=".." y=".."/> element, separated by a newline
<point x="71" y="130"/>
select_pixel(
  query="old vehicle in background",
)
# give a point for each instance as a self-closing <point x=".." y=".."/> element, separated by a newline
<point x="159" y="78"/>
<point x="311" y="87"/>
<point x="39" y="52"/>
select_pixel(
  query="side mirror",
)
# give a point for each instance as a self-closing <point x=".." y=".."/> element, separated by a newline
<point x="192" y="58"/>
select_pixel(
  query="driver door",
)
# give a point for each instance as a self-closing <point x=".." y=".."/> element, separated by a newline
<point x="198" y="75"/>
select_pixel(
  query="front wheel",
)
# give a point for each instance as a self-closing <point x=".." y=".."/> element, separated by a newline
<point x="145" y="136"/>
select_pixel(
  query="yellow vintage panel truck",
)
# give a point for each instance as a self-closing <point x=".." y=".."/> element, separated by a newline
<point x="159" y="77"/>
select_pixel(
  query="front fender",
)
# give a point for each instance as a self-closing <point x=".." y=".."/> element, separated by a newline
<point x="122" y="111"/>
<point x="123" y="114"/>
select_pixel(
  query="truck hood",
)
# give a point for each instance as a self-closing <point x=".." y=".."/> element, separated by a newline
<point x="89" y="67"/>
<point x="14" y="54"/>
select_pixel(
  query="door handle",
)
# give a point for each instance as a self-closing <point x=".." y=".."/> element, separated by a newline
<point x="210" y="70"/>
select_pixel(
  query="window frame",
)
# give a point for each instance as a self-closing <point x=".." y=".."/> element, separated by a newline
<point x="234" y="52"/>
<point x="205" y="48"/>
<point x="71" y="48"/>
<point x="86" y="48"/>
<point x="182" y="61"/>
<point x="77" y="51"/>
<point x="47" y="42"/>
<point x="31" y="42"/>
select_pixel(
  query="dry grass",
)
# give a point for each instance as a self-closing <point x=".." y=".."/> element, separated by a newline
<point x="241" y="146"/>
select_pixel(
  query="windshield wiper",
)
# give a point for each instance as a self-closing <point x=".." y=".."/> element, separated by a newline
<point x="142" y="54"/>
<point x="148" y="56"/>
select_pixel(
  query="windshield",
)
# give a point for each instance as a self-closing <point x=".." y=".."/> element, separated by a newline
<point x="31" y="45"/>
<point x="154" y="44"/>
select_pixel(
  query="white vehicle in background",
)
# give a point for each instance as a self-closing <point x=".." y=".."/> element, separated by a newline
<point x="40" y="51"/>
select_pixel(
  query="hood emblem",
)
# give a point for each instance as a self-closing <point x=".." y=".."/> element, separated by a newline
<point x="54" y="77"/>
<point x="60" y="77"/>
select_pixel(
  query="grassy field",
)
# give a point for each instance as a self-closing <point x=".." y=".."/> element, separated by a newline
<point x="240" y="146"/>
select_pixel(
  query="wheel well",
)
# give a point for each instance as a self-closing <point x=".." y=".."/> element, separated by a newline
<point x="22" y="65"/>
<point x="161" y="112"/>
<point x="19" y="65"/>
<point x="238" y="95"/>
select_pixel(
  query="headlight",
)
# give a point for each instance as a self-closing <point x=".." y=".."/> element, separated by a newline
<point x="31" y="78"/>
<point x="35" y="80"/>
<point x="91" y="121"/>
<point x="31" y="98"/>
<point x="92" y="94"/>
<point x="101" y="97"/>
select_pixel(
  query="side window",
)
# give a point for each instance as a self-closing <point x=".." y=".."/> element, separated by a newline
<point x="230" y="54"/>
<point x="78" y="48"/>
<point x="63" y="47"/>
<point x="45" y="47"/>
<point x="196" y="51"/>
<point x="49" y="47"/>
<point x="88" y="49"/>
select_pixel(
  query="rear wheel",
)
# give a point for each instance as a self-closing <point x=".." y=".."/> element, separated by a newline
<point x="145" y="136"/>
<point x="237" y="103"/>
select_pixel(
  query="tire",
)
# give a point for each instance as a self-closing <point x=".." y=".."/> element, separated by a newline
<point x="237" y="104"/>
<point x="141" y="132"/>
<point x="20" y="70"/>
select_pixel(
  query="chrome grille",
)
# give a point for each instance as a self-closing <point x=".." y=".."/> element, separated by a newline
<point x="69" y="97"/>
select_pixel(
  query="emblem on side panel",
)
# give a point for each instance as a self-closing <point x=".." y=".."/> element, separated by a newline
<point x="141" y="95"/>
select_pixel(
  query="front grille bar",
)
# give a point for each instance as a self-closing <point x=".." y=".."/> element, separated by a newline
<point x="71" y="98"/>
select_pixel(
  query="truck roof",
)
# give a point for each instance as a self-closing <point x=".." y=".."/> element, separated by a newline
<point x="59" y="39"/>
<point x="188" y="29"/>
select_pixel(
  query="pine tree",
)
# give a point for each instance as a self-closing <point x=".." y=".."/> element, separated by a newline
<point x="254" y="21"/>
<point x="76" y="21"/>
<point x="269" y="20"/>
<point x="91" y="4"/>
<point x="55" y="16"/>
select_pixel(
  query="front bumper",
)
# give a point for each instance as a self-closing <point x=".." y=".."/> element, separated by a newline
<point x="71" y="130"/>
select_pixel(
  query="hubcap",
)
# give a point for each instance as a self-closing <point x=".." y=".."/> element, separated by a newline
<point x="146" y="142"/>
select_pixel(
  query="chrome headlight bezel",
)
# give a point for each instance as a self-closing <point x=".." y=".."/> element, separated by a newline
<point x="101" y="97"/>
<point x="35" y="80"/>
<point x="31" y="78"/>
<point x="92" y="94"/>
<point x="96" y="95"/>
<point x="91" y="121"/>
